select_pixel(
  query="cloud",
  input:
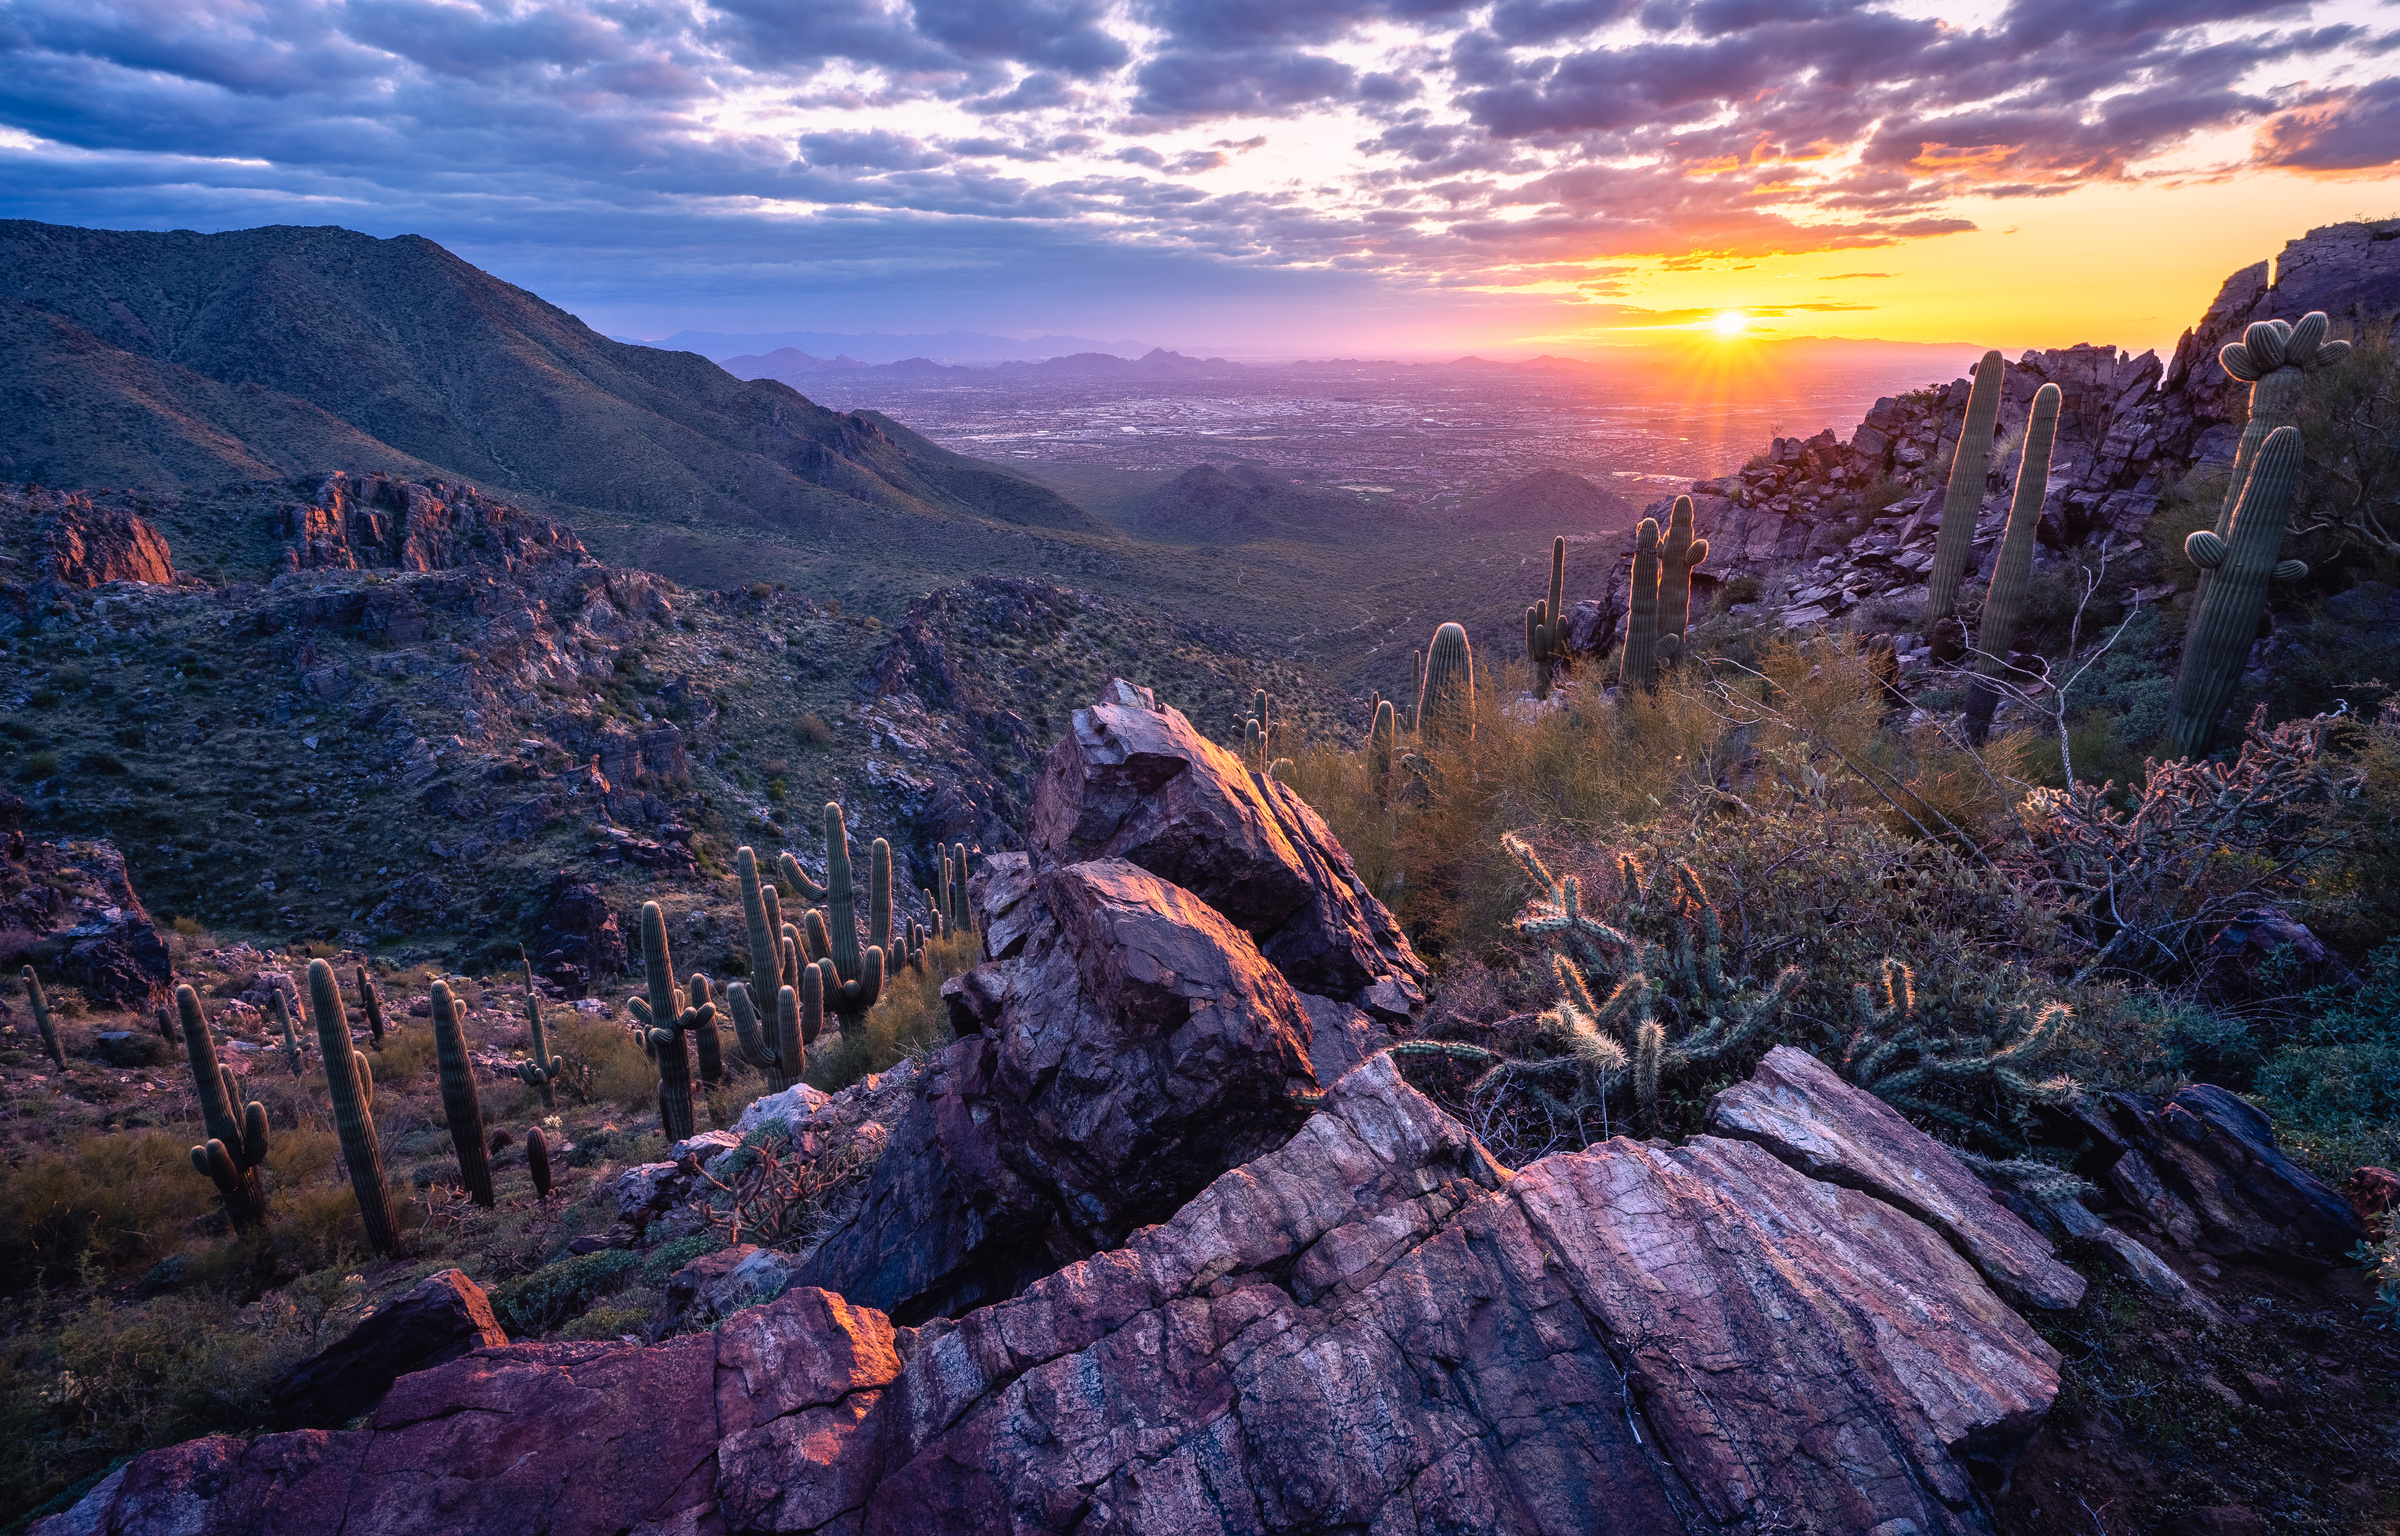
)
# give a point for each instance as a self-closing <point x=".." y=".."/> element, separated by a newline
<point x="1393" y="147"/>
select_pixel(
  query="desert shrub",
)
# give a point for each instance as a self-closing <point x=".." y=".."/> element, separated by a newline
<point x="911" y="1018"/>
<point x="103" y="1202"/>
<point x="2334" y="1085"/>
<point x="626" y="1317"/>
<point x="407" y="1051"/>
<point x="532" y="1305"/>
<point x="2349" y="498"/>
<point x="605" y="1063"/>
<point x="661" y="1263"/>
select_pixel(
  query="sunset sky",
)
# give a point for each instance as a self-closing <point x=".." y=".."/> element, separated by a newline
<point x="1264" y="177"/>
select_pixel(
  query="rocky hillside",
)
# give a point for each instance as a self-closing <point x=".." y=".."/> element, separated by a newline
<point x="1164" y="1241"/>
<point x="392" y="712"/>
<point x="161" y="360"/>
<point x="1821" y="530"/>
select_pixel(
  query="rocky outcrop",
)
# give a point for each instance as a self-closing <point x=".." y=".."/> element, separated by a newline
<point x="69" y="910"/>
<point x="375" y="522"/>
<point x="576" y="941"/>
<point x="1370" y="1327"/>
<point x="2204" y="1170"/>
<point x="1800" y="1109"/>
<point x="1133" y="1049"/>
<point x="1132" y="780"/>
<point x="87" y="546"/>
<point x="440" y="1318"/>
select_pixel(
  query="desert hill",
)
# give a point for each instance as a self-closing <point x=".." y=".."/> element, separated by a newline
<point x="1549" y="501"/>
<point x="157" y="359"/>
<point x="1243" y="504"/>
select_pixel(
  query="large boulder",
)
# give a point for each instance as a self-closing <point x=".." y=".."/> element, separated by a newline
<point x="440" y="1318"/>
<point x="1133" y="780"/>
<point x="1134" y="1048"/>
<point x="1371" y="1328"/>
<point x="86" y="546"/>
<point x="1800" y="1109"/>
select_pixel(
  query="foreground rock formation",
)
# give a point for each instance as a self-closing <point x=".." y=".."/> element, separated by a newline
<point x="1370" y="1327"/>
<point x="1161" y="1282"/>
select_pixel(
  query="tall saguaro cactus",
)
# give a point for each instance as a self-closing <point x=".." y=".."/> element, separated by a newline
<point x="1969" y="463"/>
<point x="41" y="1018"/>
<point x="665" y="1021"/>
<point x="1383" y="742"/>
<point x="237" y="1143"/>
<point x="2005" y="603"/>
<point x="962" y="901"/>
<point x="1679" y="554"/>
<point x="2274" y="357"/>
<point x="461" y="1105"/>
<point x="351" y="1083"/>
<point x="280" y="1006"/>
<point x="1638" y="668"/>
<point x="1546" y="624"/>
<point x="1446" y="704"/>
<point x="543" y="1072"/>
<point x="2225" y="620"/>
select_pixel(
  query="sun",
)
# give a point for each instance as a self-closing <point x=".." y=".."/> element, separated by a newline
<point x="1730" y="323"/>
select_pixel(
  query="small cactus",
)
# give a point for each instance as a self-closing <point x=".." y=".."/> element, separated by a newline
<point x="1446" y="702"/>
<point x="351" y="1084"/>
<point x="1679" y="554"/>
<point x="41" y="1018"/>
<point x="2012" y="565"/>
<point x="542" y="1073"/>
<point x="371" y="1003"/>
<point x="1258" y="732"/>
<point x="537" y="1158"/>
<point x="1639" y="666"/>
<point x="1969" y="464"/>
<point x="461" y="1105"/>
<point x="962" y="903"/>
<point x="236" y="1144"/>
<point x="278" y="1006"/>
<point x="2225" y="619"/>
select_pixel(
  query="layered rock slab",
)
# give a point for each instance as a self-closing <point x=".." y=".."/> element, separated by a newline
<point x="1800" y="1109"/>
<point x="1370" y="1328"/>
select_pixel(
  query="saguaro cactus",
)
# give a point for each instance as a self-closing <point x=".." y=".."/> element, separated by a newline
<point x="237" y="1143"/>
<point x="664" y="1021"/>
<point x="705" y="1041"/>
<point x="1258" y="732"/>
<point x="1639" y="666"/>
<point x="41" y="1018"/>
<point x="370" y="1002"/>
<point x="1679" y="554"/>
<point x="1446" y="703"/>
<point x="537" y="1159"/>
<point x="2274" y="357"/>
<point x="461" y="1105"/>
<point x="281" y="1008"/>
<point x="2012" y="565"/>
<point x="772" y="1045"/>
<point x="1546" y="624"/>
<point x="765" y="944"/>
<point x="1382" y="743"/>
<point x="542" y="1073"/>
<point x="962" y="908"/>
<point x="856" y="984"/>
<point x="1968" y="465"/>
<point x="352" y="1085"/>
<point x="2226" y="621"/>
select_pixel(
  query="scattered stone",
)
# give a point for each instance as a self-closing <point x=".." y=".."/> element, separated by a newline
<point x="715" y="1286"/>
<point x="789" y="1107"/>
<point x="129" y="1048"/>
<point x="2204" y="1166"/>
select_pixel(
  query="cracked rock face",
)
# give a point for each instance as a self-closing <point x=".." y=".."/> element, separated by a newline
<point x="1370" y="1327"/>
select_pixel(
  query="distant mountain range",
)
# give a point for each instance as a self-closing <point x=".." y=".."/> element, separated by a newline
<point x="886" y="347"/>
<point x="144" y="359"/>
<point x="795" y="367"/>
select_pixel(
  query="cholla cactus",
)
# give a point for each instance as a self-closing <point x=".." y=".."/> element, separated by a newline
<point x="1682" y="974"/>
<point x="1897" y="1054"/>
